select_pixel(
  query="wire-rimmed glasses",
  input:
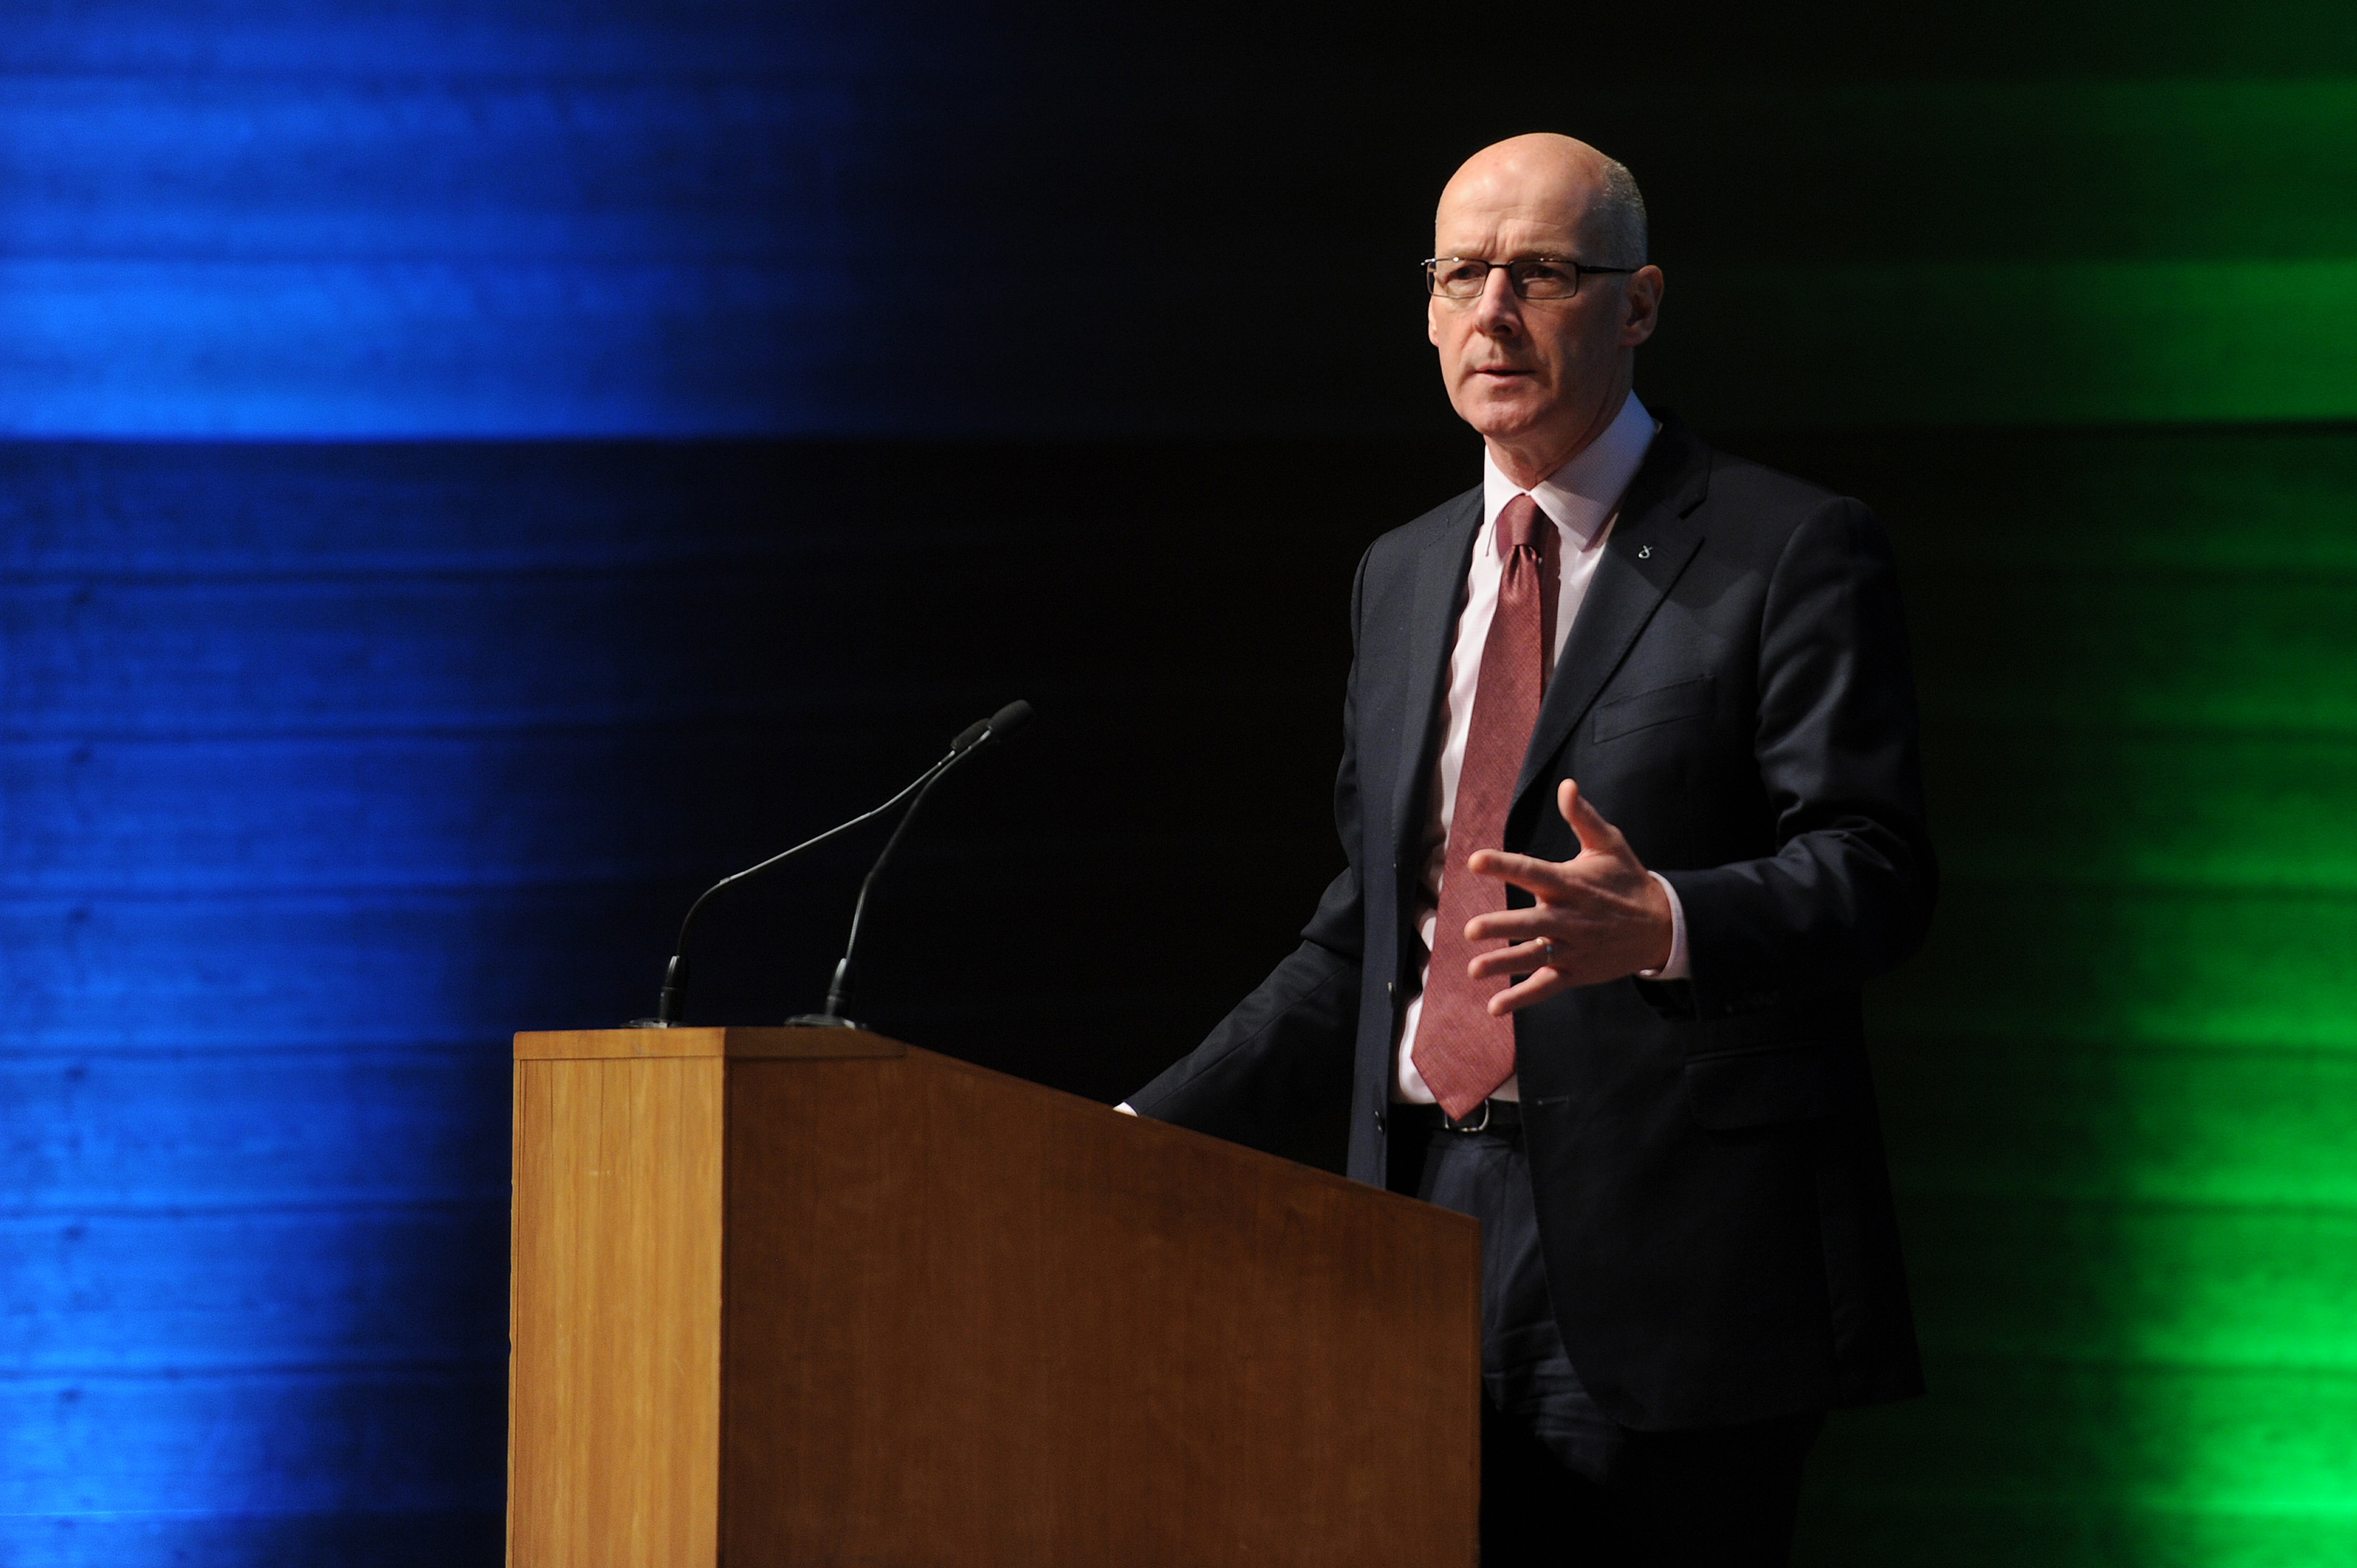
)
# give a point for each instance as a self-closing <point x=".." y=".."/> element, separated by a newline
<point x="1539" y="277"/>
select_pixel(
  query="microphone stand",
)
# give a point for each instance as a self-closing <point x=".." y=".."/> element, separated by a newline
<point x="1001" y="724"/>
<point x="673" y="999"/>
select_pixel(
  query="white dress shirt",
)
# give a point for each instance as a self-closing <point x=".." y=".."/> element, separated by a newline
<point x="1581" y="498"/>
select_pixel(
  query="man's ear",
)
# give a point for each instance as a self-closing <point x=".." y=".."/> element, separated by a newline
<point x="1645" y="286"/>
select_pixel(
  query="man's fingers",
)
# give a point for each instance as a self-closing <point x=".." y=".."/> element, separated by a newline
<point x="1526" y="872"/>
<point x="1523" y="958"/>
<point x="1541" y="921"/>
<point x="1537" y="988"/>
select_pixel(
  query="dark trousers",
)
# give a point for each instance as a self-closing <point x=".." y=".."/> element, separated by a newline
<point x="1563" y="1483"/>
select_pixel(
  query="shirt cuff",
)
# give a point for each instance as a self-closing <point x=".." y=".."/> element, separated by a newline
<point x="1675" y="966"/>
<point x="1128" y="1110"/>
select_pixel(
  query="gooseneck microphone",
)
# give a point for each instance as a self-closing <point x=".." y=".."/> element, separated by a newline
<point x="998" y="726"/>
<point x="673" y="1000"/>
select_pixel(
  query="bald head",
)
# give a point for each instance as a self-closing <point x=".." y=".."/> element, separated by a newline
<point x="1540" y="372"/>
<point x="1558" y="181"/>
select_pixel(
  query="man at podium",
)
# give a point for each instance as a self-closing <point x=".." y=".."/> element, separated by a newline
<point x="1631" y="804"/>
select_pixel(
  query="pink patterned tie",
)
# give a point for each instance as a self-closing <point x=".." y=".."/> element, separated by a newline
<point x="1461" y="1052"/>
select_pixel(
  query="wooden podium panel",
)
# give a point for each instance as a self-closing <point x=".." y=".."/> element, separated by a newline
<point x="810" y="1296"/>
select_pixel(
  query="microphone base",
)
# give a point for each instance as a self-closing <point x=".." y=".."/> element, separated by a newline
<point x="822" y="1021"/>
<point x="650" y="1024"/>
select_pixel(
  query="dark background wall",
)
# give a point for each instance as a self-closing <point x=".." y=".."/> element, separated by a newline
<point x="475" y="474"/>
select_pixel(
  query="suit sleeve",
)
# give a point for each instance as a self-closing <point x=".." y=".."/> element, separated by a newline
<point x="1849" y="892"/>
<point x="1286" y="1048"/>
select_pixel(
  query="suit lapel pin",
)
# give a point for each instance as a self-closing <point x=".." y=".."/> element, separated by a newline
<point x="1645" y="553"/>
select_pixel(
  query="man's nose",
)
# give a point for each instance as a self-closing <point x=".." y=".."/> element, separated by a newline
<point x="1500" y="312"/>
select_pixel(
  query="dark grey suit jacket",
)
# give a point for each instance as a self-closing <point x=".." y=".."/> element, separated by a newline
<point x="1735" y="696"/>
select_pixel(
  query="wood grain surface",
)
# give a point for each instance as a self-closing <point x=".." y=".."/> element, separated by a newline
<point x="962" y="1320"/>
<point x="614" y="1375"/>
<point x="598" y="1045"/>
<point x="973" y="1321"/>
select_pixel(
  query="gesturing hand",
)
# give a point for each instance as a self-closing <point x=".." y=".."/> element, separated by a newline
<point x="1603" y="912"/>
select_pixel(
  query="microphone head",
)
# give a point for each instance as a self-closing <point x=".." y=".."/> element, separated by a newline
<point x="998" y="726"/>
<point x="1009" y="719"/>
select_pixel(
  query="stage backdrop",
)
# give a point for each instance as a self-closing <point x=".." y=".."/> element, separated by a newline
<point x="473" y="475"/>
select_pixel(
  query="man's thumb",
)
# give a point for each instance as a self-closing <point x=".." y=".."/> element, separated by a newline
<point x="1586" y="822"/>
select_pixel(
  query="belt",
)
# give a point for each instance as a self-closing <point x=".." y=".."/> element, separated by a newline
<point x="1490" y="1116"/>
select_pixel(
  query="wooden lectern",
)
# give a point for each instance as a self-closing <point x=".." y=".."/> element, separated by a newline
<point x="810" y="1296"/>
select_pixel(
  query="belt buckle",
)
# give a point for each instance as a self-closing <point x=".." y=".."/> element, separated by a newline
<point x="1455" y="1124"/>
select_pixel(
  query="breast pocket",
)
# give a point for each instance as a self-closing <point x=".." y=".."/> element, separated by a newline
<point x="1662" y="706"/>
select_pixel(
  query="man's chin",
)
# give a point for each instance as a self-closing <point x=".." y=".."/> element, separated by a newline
<point x="1503" y="418"/>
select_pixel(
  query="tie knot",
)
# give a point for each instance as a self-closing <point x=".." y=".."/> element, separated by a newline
<point x="1519" y="525"/>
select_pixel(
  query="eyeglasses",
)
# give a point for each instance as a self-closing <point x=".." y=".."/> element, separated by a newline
<point x="1541" y="277"/>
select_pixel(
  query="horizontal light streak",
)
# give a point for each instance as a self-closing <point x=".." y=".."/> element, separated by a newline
<point x="343" y="1125"/>
<point x="422" y="347"/>
<point x="295" y="215"/>
<point x="268" y="37"/>
<point x="2075" y="342"/>
<point x="230" y="1443"/>
<point x="220" y="1293"/>
<point x="394" y="169"/>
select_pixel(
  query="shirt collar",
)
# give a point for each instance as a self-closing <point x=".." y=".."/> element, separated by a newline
<point x="1581" y="495"/>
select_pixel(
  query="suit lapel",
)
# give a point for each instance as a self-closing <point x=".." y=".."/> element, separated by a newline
<point x="1651" y="544"/>
<point x="1439" y="598"/>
